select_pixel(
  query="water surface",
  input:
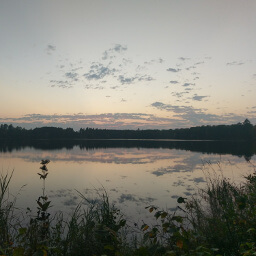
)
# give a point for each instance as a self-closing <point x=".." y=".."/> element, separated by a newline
<point x="134" y="174"/>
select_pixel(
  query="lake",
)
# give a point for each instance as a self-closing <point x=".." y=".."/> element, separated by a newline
<point x="134" y="173"/>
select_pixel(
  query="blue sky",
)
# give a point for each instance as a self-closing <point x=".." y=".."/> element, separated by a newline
<point x="127" y="64"/>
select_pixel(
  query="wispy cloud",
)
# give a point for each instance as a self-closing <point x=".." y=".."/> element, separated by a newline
<point x="72" y="75"/>
<point x="184" y="58"/>
<point x="144" y="78"/>
<point x="133" y="198"/>
<point x="191" y="67"/>
<point x="111" y="53"/>
<point x="173" y="70"/>
<point x="126" y="80"/>
<point x="129" y="80"/>
<point x="98" y="71"/>
<point x="106" y="120"/>
<point x="199" y="63"/>
<point x="171" y="169"/>
<point x="179" y="94"/>
<point x="50" y="48"/>
<point x="159" y="60"/>
<point x="174" y="82"/>
<point x="61" y="83"/>
<point x="93" y="86"/>
<point x="199" y="98"/>
<point x="190" y="116"/>
<point x="188" y="84"/>
<point x="235" y="63"/>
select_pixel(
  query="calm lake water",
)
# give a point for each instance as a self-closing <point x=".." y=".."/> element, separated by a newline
<point x="135" y="174"/>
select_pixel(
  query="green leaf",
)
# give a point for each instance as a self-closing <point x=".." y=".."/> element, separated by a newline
<point x="181" y="200"/>
<point x="163" y="215"/>
<point x="158" y="214"/>
<point x="179" y="219"/>
<point x="122" y="223"/>
<point x="46" y="161"/>
<point x="40" y="204"/>
<point x="45" y="206"/>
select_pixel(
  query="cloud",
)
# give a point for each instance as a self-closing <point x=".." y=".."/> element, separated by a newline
<point x="176" y="117"/>
<point x="183" y="58"/>
<point x="119" y="48"/>
<point x="174" y="82"/>
<point x="199" y="180"/>
<point x="173" y="70"/>
<point x="199" y="63"/>
<point x="132" y="79"/>
<point x="190" y="116"/>
<point x="191" y="67"/>
<point x="50" y="48"/>
<point x="159" y="60"/>
<point x="187" y="84"/>
<point x="106" y="120"/>
<point x="93" y="86"/>
<point x="111" y="53"/>
<point x="127" y="197"/>
<point x="98" y="71"/>
<point x="60" y="83"/>
<point x="132" y="198"/>
<point x="126" y="61"/>
<point x="198" y="98"/>
<point x="178" y="94"/>
<point x="171" y="169"/>
<point x="235" y="63"/>
<point x="144" y="78"/>
<point x="72" y="75"/>
<point x="126" y="80"/>
<point x="75" y="69"/>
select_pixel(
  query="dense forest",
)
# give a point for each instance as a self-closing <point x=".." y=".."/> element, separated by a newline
<point x="240" y="131"/>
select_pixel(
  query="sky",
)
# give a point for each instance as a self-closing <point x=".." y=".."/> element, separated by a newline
<point x="121" y="64"/>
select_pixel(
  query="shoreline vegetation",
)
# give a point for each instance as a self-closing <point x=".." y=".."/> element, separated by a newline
<point x="219" y="220"/>
<point x="244" y="131"/>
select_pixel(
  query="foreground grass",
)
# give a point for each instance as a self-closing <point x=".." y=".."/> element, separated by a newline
<point x="221" y="220"/>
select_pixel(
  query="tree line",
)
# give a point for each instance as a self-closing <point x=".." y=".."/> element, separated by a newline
<point x="240" y="131"/>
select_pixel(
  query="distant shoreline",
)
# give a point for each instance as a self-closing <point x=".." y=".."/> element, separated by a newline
<point x="236" y="132"/>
